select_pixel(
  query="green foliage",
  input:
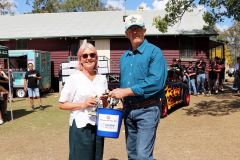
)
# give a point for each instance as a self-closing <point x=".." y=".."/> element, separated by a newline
<point x="51" y="6"/>
<point x="232" y="35"/>
<point x="44" y="6"/>
<point x="5" y="6"/>
<point x="219" y="9"/>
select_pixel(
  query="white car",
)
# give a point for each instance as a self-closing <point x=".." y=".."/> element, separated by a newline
<point x="230" y="72"/>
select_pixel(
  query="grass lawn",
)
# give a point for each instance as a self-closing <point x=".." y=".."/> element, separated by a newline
<point x="35" y="134"/>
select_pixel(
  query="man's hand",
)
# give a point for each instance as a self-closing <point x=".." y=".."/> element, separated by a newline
<point x="119" y="106"/>
<point x="34" y="76"/>
<point x="117" y="93"/>
<point x="25" y="89"/>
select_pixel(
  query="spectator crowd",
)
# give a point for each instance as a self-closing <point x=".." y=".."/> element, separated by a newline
<point x="205" y="79"/>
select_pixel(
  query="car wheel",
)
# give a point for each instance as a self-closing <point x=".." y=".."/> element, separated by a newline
<point x="230" y="75"/>
<point x="164" y="108"/>
<point x="20" y="93"/>
<point x="186" y="99"/>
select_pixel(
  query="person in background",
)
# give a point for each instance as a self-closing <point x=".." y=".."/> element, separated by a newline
<point x="78" y="97"/>
<point x="12" y="79"/>
<point x="236" y="83"/>
<point x="32" y="76"/>
<point x="213" y="70"/>
<point x="174" y="64"/>
<point x="3" y="93"/>
<point x="143" y="71"/>
<point x="60" y="78"/>
<point x="221" y="74"/>
<point x="180" y="67"/>
<point x="5" y="85"/>
<point x="200" y="66"/>
<point x="190" y="77"/>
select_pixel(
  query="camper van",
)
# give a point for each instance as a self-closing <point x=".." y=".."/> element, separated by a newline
<point x="18" y="62"/>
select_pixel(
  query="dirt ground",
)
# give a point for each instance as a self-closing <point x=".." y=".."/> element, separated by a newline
<point x="209" y="128"/>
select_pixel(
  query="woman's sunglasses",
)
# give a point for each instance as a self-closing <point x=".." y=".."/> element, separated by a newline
<point x="92" y="55"/>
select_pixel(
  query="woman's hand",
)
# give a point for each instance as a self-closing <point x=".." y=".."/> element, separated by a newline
<point x="91" y="101"/>
<point x="104" y="97"/>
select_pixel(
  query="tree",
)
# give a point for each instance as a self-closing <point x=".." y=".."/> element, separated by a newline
<point x="232" y="35"/>
<point x="219" y="10"/>
<point x="6" y="6"/>
<point x="43" y="6"/>
<point x="51" y="6"/>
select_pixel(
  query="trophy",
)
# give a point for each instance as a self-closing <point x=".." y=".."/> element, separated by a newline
<point x="114" y="102"/>
<point x="94" y="108"/>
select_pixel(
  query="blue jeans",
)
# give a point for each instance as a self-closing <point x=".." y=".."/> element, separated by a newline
<point x="140" y="129"/>
<point x="191" y="83"/>
<point x="200" y="82"/>
<point x="32" y="91"/>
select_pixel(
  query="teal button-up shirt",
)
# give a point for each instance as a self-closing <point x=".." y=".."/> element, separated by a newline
<point x="144" y="71"/>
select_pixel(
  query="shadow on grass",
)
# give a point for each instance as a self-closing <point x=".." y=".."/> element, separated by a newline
<point x="17" y="114"/>
<point x="44" y="106"/>
<point x="214" y="108"/>
<point x="18" y="100"/>
<point x="46" y="95"/>
<point x="21" y="113"/>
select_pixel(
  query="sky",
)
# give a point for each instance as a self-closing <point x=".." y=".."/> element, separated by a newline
<point x="22" y="7"/>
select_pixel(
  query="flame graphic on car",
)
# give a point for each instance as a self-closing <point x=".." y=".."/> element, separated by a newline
<point x="172" y="92"/>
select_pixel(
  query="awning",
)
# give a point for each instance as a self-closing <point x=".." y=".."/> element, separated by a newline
<point x="3" y="52"/>
<point x="214" y="43"/>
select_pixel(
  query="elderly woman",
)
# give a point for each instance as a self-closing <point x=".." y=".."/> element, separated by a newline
<point x="78" y="96"/>
<point x="236" y="83"/>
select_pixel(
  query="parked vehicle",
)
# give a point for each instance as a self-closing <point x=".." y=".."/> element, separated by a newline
<point x="176" y="92"/>
<point x="19" y="60"/>
<point x="230" y="72"/>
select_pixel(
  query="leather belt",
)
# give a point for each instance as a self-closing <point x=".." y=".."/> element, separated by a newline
<point x="138" y="105"/>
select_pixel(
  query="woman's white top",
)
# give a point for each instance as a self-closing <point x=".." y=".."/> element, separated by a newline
<point x="236" y="67"/>
<point x="77" y="89"/>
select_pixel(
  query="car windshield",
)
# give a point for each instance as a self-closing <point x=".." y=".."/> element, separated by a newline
<point x="170" y="76"/>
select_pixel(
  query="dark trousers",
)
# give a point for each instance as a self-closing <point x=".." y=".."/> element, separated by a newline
<point x="84" y="144"/>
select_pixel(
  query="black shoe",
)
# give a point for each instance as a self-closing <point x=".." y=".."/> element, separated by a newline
<point x="8" y="101"/>
<point x="238" y="91"/>
<point x="41" y="108"/>
<point x="32" y="109"/>
<point x="216" y="94"/>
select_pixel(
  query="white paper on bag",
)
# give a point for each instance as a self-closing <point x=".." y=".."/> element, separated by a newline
<point x="108" y="123"/>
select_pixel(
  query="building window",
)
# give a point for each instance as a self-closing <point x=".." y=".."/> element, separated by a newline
<point x="186" y="47"/>
<point x="22" y="44"/>
<point x="92" y="42"/>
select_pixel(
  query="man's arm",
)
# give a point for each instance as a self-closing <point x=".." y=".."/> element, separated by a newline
<point x="25" y="82"/>
<point x="198" y="65"/>
<point x="38" y="76"/>
<point x="217" y="70"/>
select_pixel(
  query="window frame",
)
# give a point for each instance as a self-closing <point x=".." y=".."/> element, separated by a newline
<point x="187" y="58"/>
<point x="21" y="48"/>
